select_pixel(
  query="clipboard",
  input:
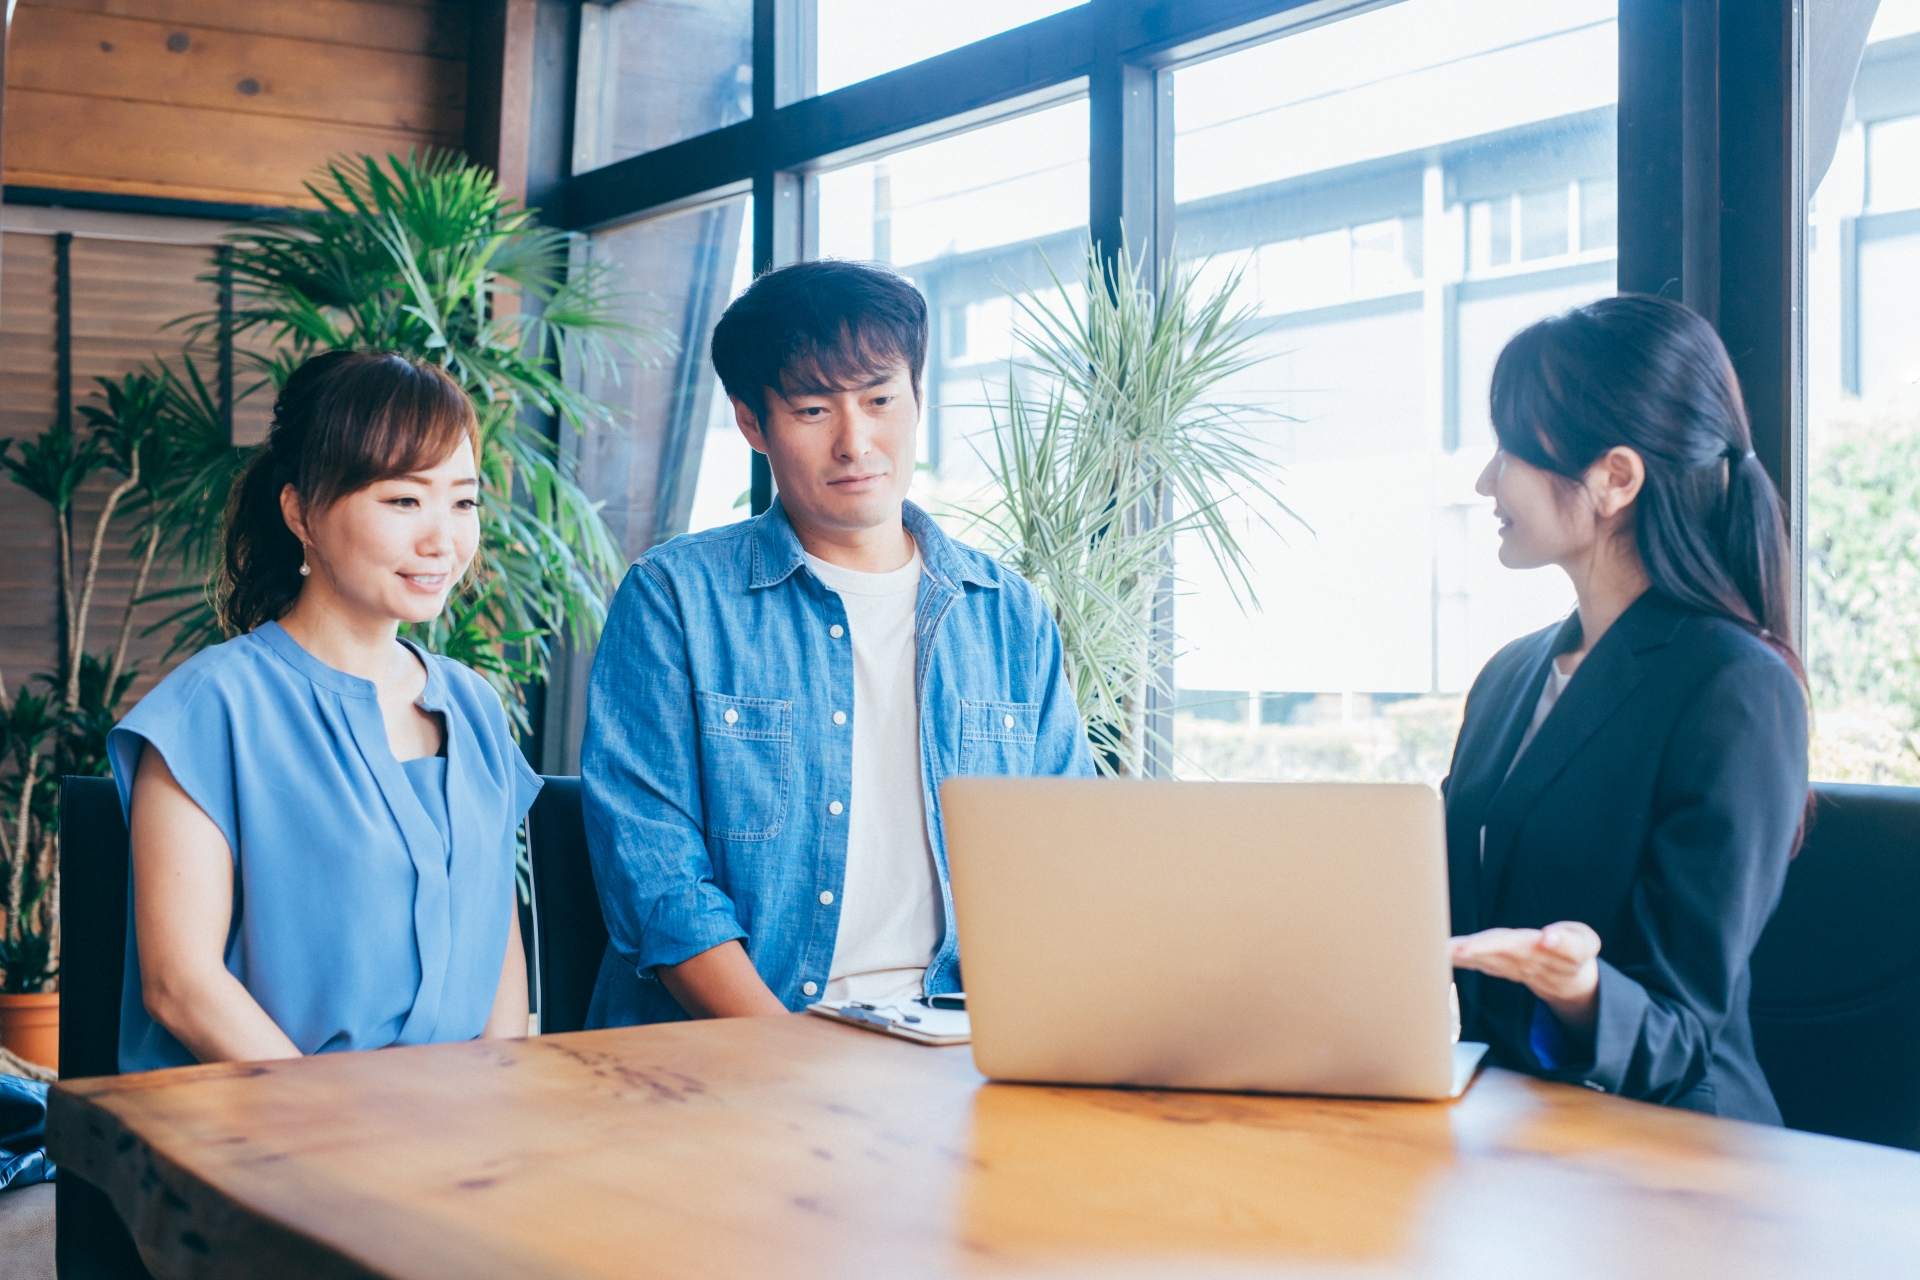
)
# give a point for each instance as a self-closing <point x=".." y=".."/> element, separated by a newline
<point x="924" y="1019"/>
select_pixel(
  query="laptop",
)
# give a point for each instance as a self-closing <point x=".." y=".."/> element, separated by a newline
<point x="1256" y="937"/>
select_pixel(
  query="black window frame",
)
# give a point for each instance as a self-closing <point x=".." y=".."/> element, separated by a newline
<point x="1711" y="190"/>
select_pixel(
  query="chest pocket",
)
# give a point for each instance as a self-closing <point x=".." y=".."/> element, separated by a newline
<point x="746" y="750"/>
<point x="996" y="738"/>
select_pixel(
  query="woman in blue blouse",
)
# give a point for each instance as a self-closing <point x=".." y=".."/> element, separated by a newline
<point x="322" y="814"/>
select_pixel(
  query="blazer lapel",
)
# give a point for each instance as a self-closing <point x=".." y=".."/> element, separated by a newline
<point x="1600" y="686"/>
<point x="1492" y="748"/>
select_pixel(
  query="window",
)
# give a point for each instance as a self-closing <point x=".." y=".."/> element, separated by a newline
<point x="1863" y="445"/>
<point x="857" y="39"/>
<point x="1399" y="189"/>
<point x="679" y="271"/>
<point x="653" y="72"/>
<point x="1403" y="190"/>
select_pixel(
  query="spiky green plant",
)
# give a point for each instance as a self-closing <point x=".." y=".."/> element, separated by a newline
<point x="425" y="256"/>
<point x="1127" y="449"/>
<point x="28" y="927"/>
<point x="64" y="730"/>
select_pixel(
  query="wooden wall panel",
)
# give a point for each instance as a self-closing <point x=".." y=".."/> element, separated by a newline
<point x="27" y="399"/>
<point x="226" y="101"/>
<point x="125" y="289"/>
<point x="427" y="27"/>
<point x="238" y="71"/>
<point x="27" y="391"/>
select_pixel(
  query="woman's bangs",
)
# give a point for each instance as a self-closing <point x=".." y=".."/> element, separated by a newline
<point x="393" y="419"/>
<point x="424" y="424"/>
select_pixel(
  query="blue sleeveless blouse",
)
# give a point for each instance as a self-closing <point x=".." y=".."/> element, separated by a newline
<point x="361" y="917"/>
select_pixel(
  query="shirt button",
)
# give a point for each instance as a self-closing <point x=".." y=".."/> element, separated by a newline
<point x="839" y="717"/>
<point x="731" y="715"/>
<point x="809" y="988"/>
<point x="835" y="807"/>
<point x="1008" y="722"/>
<point x="826" y="897"/>
<point x="836" y="631"/>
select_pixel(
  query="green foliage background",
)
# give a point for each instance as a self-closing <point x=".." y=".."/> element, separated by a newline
<point x="1863" y="594"/>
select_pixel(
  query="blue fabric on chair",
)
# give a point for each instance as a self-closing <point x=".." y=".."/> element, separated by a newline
<point x="1836" y="976"/>
<point x="23" y="1130"/>
<point x="569" y="933"/>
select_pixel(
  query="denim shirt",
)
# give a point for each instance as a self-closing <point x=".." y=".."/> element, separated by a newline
<point x="717" y="785"/>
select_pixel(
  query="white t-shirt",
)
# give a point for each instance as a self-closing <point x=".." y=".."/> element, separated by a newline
<point x="890" y="912"/>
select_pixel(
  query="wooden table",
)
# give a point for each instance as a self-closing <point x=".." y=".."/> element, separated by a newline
<point x="778" y="1147"/>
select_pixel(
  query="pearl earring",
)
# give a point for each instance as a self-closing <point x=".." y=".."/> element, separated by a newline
<point x="304" y="570"/>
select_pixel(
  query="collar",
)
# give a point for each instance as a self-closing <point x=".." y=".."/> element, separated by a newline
<point x="777" y="553"/>
<point x="1648" y="623"/>
<point x="277" y="639"/>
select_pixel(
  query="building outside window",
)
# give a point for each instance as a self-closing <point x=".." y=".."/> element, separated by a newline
<point x="1863" y="442"/>
<point x="1400" y="193"/>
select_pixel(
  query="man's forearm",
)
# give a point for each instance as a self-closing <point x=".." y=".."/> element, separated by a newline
<point x="720" y="982"/>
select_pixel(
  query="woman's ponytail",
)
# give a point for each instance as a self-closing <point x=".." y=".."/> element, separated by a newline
<point x="344" y="420"/>
<point x="261" y="577"/>
<point x="1755" y="545"/>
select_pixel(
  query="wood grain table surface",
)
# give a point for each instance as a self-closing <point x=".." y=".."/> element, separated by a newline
<point x="776" y="1147"/>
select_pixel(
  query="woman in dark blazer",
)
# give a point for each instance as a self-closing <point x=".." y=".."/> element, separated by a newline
<point x="1628" y="786"/>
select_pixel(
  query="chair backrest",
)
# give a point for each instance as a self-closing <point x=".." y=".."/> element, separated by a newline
<point x="94" y="874"/>
<point x="90" y="1241"/>
<point x="1836" y="977"/>
<point x="569" y="933"/>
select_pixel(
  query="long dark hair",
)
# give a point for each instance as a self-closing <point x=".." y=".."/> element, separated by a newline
<point x="343" y="421"/>
<point x="1649" y="374"/>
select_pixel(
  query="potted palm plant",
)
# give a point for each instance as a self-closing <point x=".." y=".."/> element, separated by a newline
<point x="1123" y="448"/>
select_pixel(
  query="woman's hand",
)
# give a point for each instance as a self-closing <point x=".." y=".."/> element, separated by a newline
<point x="1560" y="964"/>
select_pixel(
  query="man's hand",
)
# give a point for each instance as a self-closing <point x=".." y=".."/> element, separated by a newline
<point x="1560" y="964"/>
<point x="720" y="982"/>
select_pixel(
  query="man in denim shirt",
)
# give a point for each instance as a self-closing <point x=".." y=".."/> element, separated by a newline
<point x="774" y="704"/>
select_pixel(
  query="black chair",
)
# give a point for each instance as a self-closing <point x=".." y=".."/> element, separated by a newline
<point x="90" y="1242"/>
<point x="1836" y="977"/>
<point x="569" y="933"/>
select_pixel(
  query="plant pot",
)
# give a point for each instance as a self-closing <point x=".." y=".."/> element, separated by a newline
<point x="30" y="1026"/>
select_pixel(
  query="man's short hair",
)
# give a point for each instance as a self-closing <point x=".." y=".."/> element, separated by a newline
<point x="815" y="328"/>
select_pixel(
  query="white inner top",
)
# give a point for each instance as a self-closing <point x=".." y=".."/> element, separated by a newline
<point x="1556" y="685"/>
<point x="890" y="916"/>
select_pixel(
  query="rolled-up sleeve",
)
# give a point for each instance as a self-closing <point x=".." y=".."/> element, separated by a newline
<point x="640" y="780"/>
<point x="1733" y="789"/>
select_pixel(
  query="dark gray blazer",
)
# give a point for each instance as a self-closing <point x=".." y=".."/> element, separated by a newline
<point x="1659" y="803"/>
